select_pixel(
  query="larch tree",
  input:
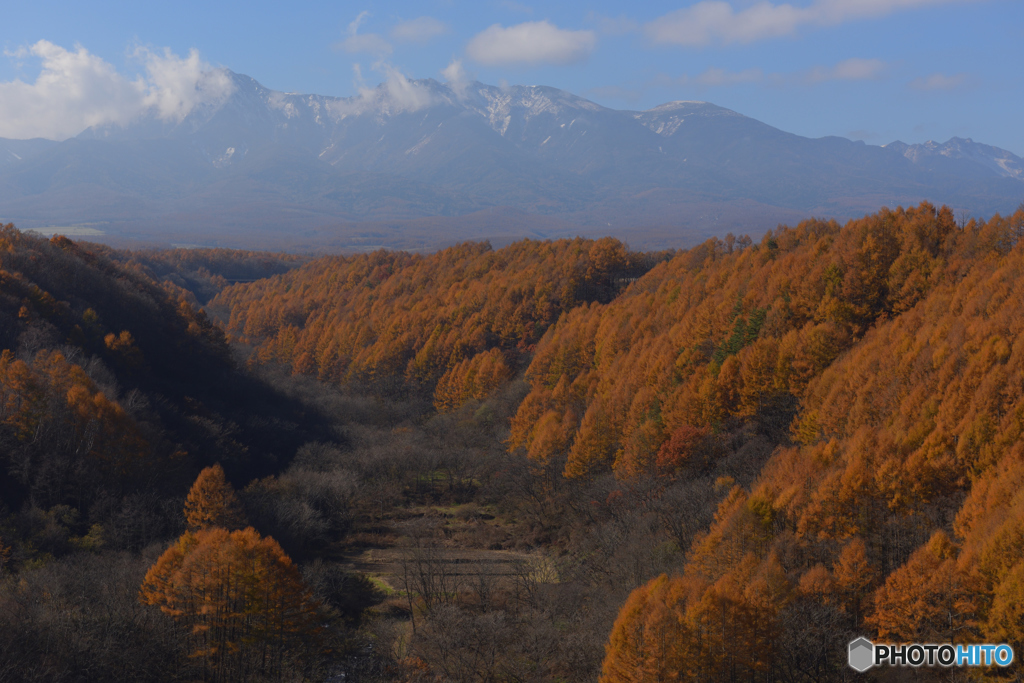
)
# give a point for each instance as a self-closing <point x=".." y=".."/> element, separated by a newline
<point x="239" y="597"/>
<point x="212" y="502"/>
<point x="927" y="599"/>
<point x="653" y="639"/>
<point x="1006" y="616"/>
<point x="854" y="576"/>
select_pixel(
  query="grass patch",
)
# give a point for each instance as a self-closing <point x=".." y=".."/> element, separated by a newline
<point x="381" y="585"/>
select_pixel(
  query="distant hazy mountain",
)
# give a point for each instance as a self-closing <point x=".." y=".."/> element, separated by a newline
<point x="420" y="163"/>
<point x="14" y="151"/>
<point x="962" y="157"/>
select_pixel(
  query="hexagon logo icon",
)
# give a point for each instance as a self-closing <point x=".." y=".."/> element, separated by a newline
<point x="862" y="654"/>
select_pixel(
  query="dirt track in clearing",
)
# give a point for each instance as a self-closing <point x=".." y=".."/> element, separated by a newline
<point x="387" y="563"/>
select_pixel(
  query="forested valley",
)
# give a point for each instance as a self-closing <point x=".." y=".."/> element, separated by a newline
<point x="554" y="461"/>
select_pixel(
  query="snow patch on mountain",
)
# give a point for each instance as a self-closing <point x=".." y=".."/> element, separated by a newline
<point x="998" y="161"/>
<point x="501" y="106"/>
<point x="279" y="100"/>
<point x="666" y="119"/>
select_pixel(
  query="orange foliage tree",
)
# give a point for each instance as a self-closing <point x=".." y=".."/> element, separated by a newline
<point x="854" y="576"/>
<point x="683" y="628"/>
<point x="651" y="639"/>
<point x="927" y="599"/>
<point x="240" y="599"/>
<point x="211" y="502"/>
<point x="472" y="378"/>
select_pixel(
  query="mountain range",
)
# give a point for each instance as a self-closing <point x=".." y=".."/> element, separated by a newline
<point x="419" y="164"/>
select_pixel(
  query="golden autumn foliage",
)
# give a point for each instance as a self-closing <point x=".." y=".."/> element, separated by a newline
<point x="717" y="334"/>
<point x="211" y="502"/>
<point x="879" y="365"/>
<point x="390" y="317"/>
<point x="854" y="576"/>
<point x="51" y="398"/>
<point x="238" y="596"/>
<point x="901" y="339"/>
<point x="1005" y="623"/>
<point x="684" y="628"/>
<point x="928" y="599"/>
<point x="652" y="637"/>
<point x="472" y="378"/>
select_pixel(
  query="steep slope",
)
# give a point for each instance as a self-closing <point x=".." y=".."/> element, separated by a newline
<point x="114" y="387"/>
<point x="883" y="361"/>
<point x="721" y="333"/>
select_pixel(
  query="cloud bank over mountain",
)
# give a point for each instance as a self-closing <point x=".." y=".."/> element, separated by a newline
<point x="76" y="90"/>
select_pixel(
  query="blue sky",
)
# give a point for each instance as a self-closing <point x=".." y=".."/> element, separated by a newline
<point x="877" y="70"/>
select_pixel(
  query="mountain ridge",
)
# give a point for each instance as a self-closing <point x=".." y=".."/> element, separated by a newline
<point x="289" y="164"/>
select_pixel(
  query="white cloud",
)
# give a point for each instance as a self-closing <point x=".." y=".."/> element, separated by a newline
<point x="369" y="43"/>
<point x="939" y="81"/>
<point x="854" y="69"/>
<point x="715" y="21"/>
<point x="419" y="30"/>
<point x="456" y="77"/>
<point x="532" y="42"/>
<point x="178" y="85"/>
<point x="403" y="94"/>
<point x="75" y="90"/>
<point x="396" y="94"/>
